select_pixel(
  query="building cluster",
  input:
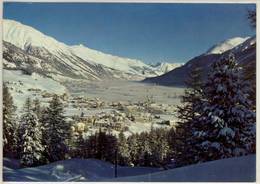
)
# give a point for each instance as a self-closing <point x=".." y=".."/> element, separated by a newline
<point x="117" y="116"/>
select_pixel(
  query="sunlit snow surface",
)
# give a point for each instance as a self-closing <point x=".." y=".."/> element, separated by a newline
<point x="226" y="45"/>
<point x="19" y="84"/>
<point x="114" y="91"/>
<point x="70" y="170"/>
<point x="240" y="169"/>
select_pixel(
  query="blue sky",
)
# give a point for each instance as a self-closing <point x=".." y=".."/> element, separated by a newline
<point x="149" y="32"/>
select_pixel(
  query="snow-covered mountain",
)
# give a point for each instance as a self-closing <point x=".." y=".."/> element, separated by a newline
<point x="28" y="53"/>
<point x="58" y="60"/>
<point x="164" y="67"/>
<point x="110" y="61"/>
<point x="24" y="37"/>
<point x="245" y="54"/>
<point x="226" y="45"/>
<point x="28" y="49"/>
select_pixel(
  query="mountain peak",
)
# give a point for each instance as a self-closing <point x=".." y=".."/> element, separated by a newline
<point x="226" y="45"/>
<point x="165" y="67"/>
<point x="78" y="46"/>
<point x="22" y="35"/>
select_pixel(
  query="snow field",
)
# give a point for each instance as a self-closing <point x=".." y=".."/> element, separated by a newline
<point x="239" y="169"/>
<point x="20" y="84"/>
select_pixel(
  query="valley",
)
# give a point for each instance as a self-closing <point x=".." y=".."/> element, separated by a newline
<point x="131" y="107"/>
<point x="114" y="105"/>
<point x="98" y="90"/>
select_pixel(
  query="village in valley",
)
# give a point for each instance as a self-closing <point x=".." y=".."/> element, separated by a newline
<point x="133" y="108"/>
<point x="119" y="116"/>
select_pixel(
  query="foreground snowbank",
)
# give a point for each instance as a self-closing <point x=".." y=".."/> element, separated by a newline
<point x="70" y="170"/>
<point x="235" y="169"/>
<point x="240" y="169"/>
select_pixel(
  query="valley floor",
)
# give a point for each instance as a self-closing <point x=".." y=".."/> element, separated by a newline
<point x="120" y="90"/>
<point x="124" y="98"/>
<point x="238" y="169"/>
<point x="117" y="105"/>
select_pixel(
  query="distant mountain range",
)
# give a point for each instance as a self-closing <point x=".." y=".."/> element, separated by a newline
<point x="162" y="68"/>
<point x="243" y="48"/>
<point x="27" y="49"/>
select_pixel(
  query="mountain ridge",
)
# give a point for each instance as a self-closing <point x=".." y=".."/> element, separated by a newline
<point x="80" y="59"/>
<point x="226" y="45"/>
<point x="245" y="54"/>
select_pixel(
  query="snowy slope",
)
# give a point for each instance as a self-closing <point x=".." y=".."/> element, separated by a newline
<point x="245" y="54"/>
<point x="238" y="169"/>
<point x="115" y="62"/>
<point x="80" y="61"/>
<point x="245" y="45"/>
<point x="20" y="84"/>
<point x="70" y="170"/>
<point x="56" y="58"/>
<point x="24" y="36"/>
<point x="226" y="45"/>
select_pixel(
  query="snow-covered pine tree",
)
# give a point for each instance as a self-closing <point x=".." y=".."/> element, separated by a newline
<point x="9" y="125"/>
<point x="192" y="95"/>
<point x="250" y="68"/>
<point x="147" y="148"/>
<point x="101" y="146"/>
<point x="226" y="128"/>
<point x="27" y="107"/>
<point x="159" y="147"/>
<point x="250" y="77"/>
<point x="30" y="138"/>
<point x="187" y="114"/>
<point x="110" y="147"/>
<point x="172" y="141"/>
<point x="133" y="149"/>
<point x="91" y="146"/>
<point x="101" y="143"/>
<point x="56" y="130"/>
<point x="163" y="147"/>
<point x="79" y="146"/>
<point x="43" y="119"/>
<point x="37" y="107"/>
<point x="123" y="149"/>
<point x="145" y="152"/>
